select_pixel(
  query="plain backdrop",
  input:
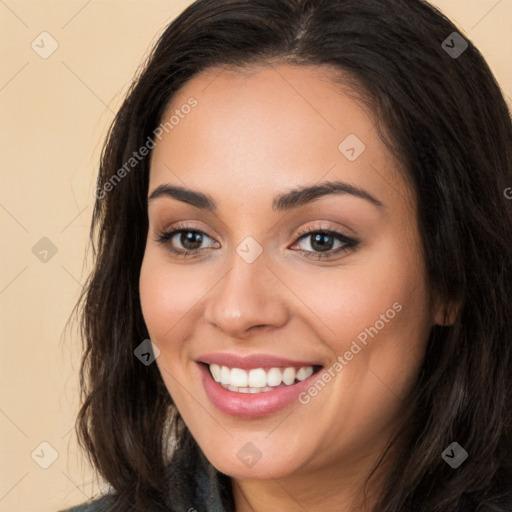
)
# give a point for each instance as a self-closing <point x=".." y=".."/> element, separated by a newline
<point x="55" y="110"/>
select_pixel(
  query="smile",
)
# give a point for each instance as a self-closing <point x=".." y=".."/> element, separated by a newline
<point x="259" y="389"/>
<point x="258" y="380"/>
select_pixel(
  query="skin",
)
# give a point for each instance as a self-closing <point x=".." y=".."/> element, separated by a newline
<point x="253" y="135"/>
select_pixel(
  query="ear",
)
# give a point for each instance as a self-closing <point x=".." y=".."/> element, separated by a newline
<point x="446" y="313"/>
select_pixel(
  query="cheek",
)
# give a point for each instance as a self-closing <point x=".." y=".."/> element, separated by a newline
<point x="155" y="296"/>
<point x="344" y="301"/>
<point x="373" y="312"/>
<point x="168" y="293"/>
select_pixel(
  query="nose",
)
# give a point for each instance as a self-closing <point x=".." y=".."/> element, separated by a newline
<point x="248" y="298"/>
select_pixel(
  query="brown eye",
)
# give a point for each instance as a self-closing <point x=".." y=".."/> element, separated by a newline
<point x="320" y="243"/>
<point x="190" y="240"/>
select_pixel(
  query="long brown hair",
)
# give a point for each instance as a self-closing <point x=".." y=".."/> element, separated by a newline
<point x="445" y="118"/>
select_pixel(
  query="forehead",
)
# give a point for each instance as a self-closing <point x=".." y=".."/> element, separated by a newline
<point x="269" y="128"/>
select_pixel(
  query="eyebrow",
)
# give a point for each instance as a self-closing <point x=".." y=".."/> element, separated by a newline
<point x="289" y="200"/>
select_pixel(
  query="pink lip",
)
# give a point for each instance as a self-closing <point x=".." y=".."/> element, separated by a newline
<point x="251" y="405"/>
<point x="253" y="361"/>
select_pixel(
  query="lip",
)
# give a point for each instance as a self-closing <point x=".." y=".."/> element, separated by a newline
<point x="251" y="405"/>
<point x="253" y="361"/>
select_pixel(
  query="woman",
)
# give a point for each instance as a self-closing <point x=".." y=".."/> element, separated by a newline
<point x="302" y="284"/>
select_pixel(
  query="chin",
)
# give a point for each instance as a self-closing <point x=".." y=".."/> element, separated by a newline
<point x="248" y="463"/>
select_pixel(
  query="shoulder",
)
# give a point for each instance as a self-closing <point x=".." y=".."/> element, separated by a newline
<point x="99" y="505"/>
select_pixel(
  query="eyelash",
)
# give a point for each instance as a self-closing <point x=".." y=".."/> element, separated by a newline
<point x="349" y="244"/>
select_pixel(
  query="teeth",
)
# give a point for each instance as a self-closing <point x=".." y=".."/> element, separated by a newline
<point x="275" y="376"/>
<point x="257" y="380"/>
<point x="224" y="375"/>
<point x="216" y="372"/>
<point x="304" y="373"/>
<point x="289" y="376"/>
<point x="238" y="378"/>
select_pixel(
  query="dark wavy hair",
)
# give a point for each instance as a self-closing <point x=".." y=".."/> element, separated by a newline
<point x="445" y="119"/>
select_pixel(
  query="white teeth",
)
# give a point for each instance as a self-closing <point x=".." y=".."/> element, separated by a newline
<point x="224" y="375"/>
<point x="304" y="373"/>
<point x="257" y="380"/>
<point x="274" y="377"/>
<point x="238" y="378"/>
<point x="289" y="376"/>
<point x="216" y="372"/>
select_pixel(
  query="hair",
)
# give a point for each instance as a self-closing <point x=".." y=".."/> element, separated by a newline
<point x="446" y="121"/>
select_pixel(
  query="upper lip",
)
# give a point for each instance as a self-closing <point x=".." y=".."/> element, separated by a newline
<point x="253" y="361"/>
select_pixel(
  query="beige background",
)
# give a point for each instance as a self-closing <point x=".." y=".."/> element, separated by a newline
<point x="55" y="113"/>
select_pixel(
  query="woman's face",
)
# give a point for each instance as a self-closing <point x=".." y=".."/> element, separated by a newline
<point x="257" y="288"/>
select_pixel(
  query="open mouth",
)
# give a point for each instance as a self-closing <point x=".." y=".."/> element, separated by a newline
<point x="259" y="380"/>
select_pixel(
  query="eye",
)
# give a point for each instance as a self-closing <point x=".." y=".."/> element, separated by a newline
<point x="320" y="242"/>
<point x="190" y="239"/>
<point x="323" y="240"/>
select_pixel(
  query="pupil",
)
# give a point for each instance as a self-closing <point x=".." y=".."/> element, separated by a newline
<point x="322" y="244"/>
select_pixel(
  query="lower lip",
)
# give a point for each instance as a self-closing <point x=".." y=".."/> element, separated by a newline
<point x="251" y="405"/>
